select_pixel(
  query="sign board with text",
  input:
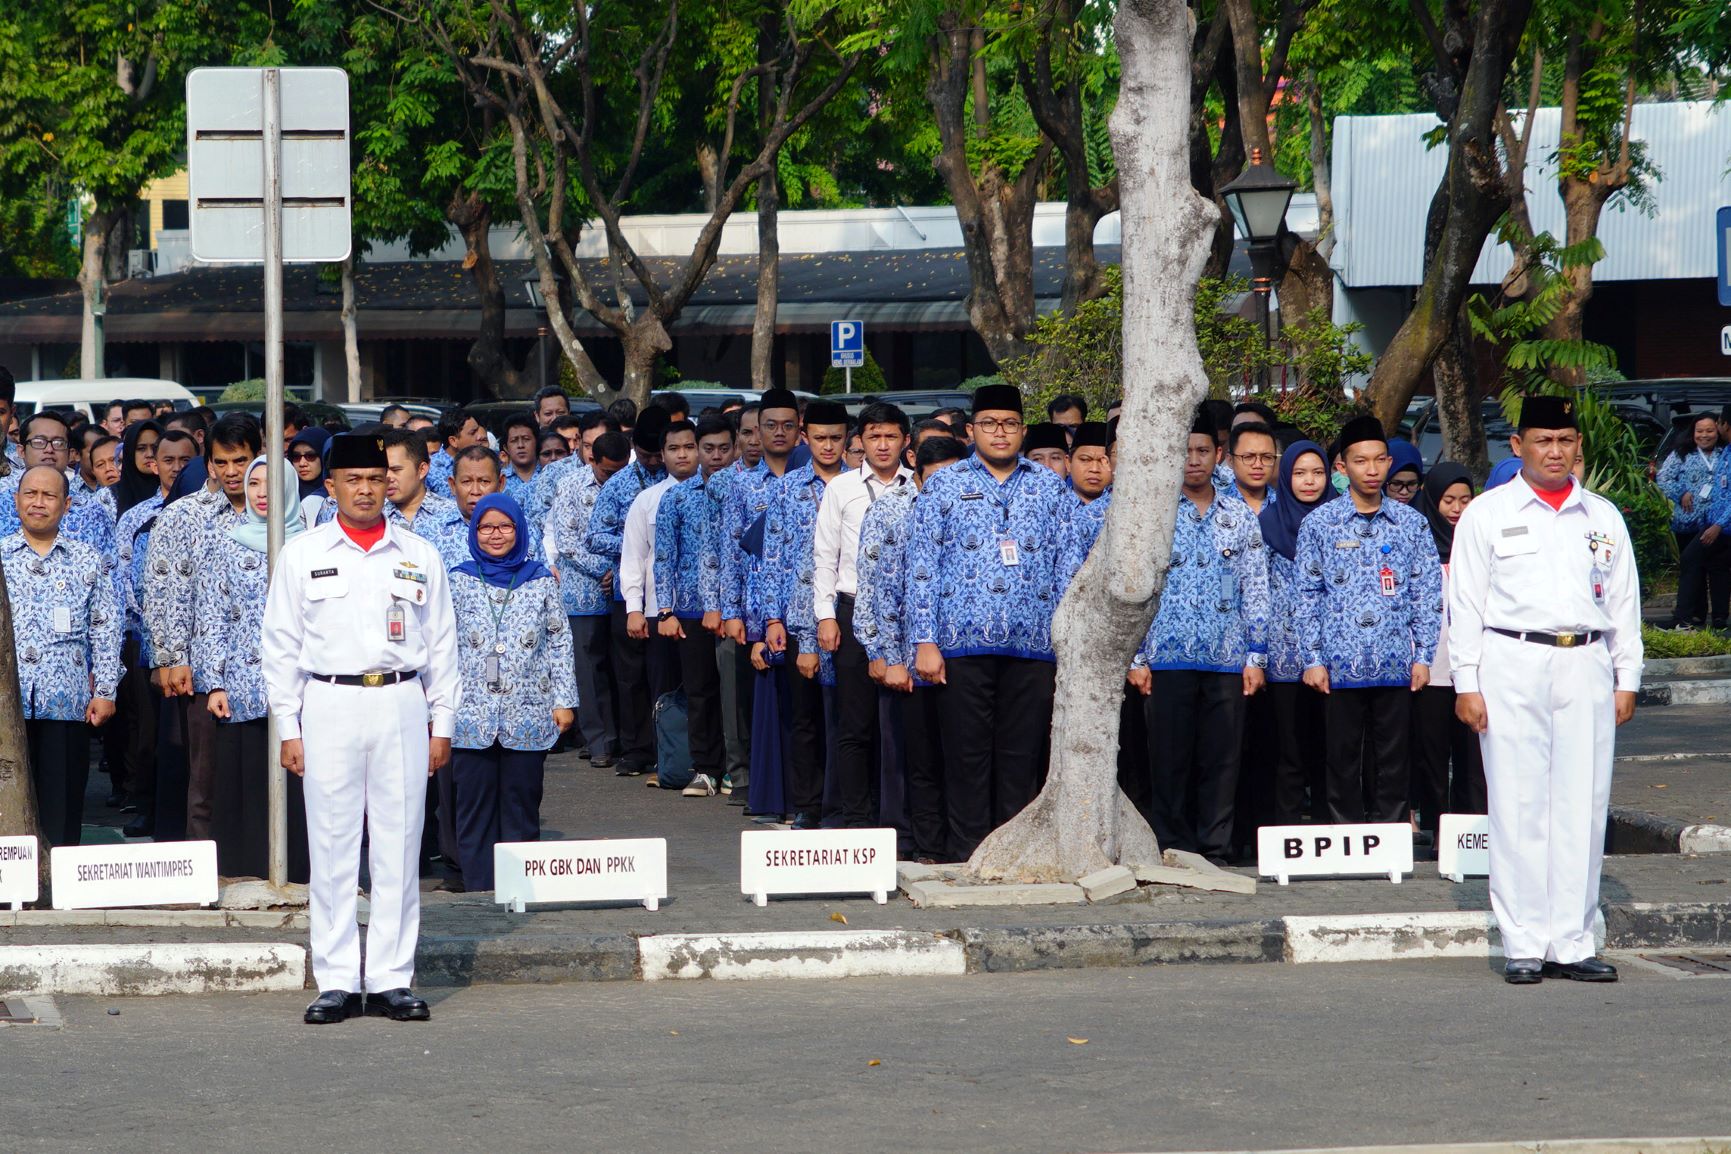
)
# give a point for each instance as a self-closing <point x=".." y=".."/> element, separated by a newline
<point x="846" y="345"/>
<point x="1371" y="850"/>
<point x="817" y="861"/>
<point x="606" y="870"/>
<point x="18" y="866"/>
<point x="1463" y="846"/>
<point x="169" y="873"/>
<point x="1722" y="249"/>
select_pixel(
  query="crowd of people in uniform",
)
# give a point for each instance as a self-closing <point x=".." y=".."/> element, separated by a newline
<point x="833" y="621"/>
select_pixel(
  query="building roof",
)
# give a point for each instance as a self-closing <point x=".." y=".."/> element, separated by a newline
<point x="909" y="289"/>
<point x="1384" y="176"/>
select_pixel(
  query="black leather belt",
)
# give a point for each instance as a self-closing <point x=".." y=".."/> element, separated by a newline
<point x="370" y="680"/>
<point x="1560" y="640"/>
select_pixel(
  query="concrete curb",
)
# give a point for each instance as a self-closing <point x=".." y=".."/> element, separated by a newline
<point x="1716" y="691"/>
<point x="156" y="968"/>
<point x="1565" y="1146"/>
<point x="1687" y="667"/>
<point x="1635" y="831"/>
<point x="813" y="954"/>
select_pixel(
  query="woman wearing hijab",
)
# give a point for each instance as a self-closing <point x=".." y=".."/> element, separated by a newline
<point x="1437" y="735"/>
<point x="1503" y="472"/>
<point x="519" y="685"/>
<point x="306" y="453"/>
<point x="137" y="465"/>
<point x="1303" y="486"/>
<point x="1405" y="472"/>
<point x="227" y="643"/>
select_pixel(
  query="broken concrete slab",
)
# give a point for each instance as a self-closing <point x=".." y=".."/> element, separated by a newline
<point x="947" y="895"/>
<point x="256" y="894"/>
<point x="1109" y="882"/>
<point x="913" y="871"/>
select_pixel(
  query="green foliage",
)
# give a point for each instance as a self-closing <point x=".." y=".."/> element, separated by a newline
<point x="973" y="383"/>
<point x="1516" y="324"/>
<point x="1081" y="352"/>
<point x="868" y="378"/>
<point x="1231" y="345"/>
<point x="1667" y="644"/>
<point x="250" y="390"/>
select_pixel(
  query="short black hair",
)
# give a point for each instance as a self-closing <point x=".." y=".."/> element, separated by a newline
<point x="451" y="422"/>
<point x="174" y="437"/>
<point x="624" y="410"/>
<point x="937" y="450"/>
<point x="187" y="419"/>
<point x="710" y="424"/>
<point x="677" y="426"/>
<point x="1064" y="402"/>
<point x="675" y="403"/>
<point x="753" y="407"/>
<point x="933" y="425"/>
<point x="135" y="404"/>
<point x="955" y="418"/>
<point x="409" y="440"/>
<point x="103" y="437"/>
<point x="1247" y="428"/>
<point x="588" y="420"/>
<point x="235" y="429"/>
<point x="478" y="453"/>
<point x="390" y="410"/>
<point x="205" y="414"/>
<point x="293" y="414"/>
<point x="549" y="434"/>
<point x="731" y="404"/>
<point x="8" y="385"/>
<point x="55" y="415"/>
<point x="522" y="419"/>
<point x="612" y="446"/>
<point x="543" y="393"/>
<point x="1263" y="412"/>
<point x="1219" y="414"/>
<point x="882" y="413"/>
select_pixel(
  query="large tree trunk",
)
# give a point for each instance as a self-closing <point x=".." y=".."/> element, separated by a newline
<point x="351" y="338"/>
<point x="1082" y="821"/>
<point x="18" y="817"/>
<point x="644" y="344"/>
<point x="1321" y="170"/>
<point x="1475" y="196"/>
<point x="93" y="283"/>
<point x="768" y="230"/>
<point x="1458" y="401"/>
<point x="487" y="359"/>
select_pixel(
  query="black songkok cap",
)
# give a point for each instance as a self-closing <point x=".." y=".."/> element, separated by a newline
<point x="355" y="451"/>
<point x="651" y="424"/>
<point x="1045" y="435"/>
<point x="1365" y="428"/>
<point x="778" y="399"/>
<point x="1098" y="433"/>
<point x="824" y="413"/>
<point x="988" y="397"/>
<point x="1202" y="425"/>
<point x="1542" y="412"/>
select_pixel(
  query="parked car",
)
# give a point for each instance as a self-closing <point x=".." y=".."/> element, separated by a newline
<point x="318" y="411"/>
<point x="1426" y="430"/>
<point x="370" y="412"/>
<point x="87" y="396"/>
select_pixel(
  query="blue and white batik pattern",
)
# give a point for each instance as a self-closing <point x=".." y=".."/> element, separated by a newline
<point x="606" y="536"/>
<point x="536" y="670"/>
<point x="580" y="571"/>
<point x="687" y="566"/>
<point x="133" y="543"/>
<point x="789" y="532"/>
<point x="1285" y="654"/>
<point x="65" y="627"/>
<point x="170" y="567"/>
<point x="1214" y="611"/>
<point x="880" y="597"/>
<point x="1692" y="475"/>
<point x="227" y="638"/>
<point x="747" y="499"/>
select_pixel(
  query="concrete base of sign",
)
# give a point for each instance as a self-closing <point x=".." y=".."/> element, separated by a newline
<point x="158" y="968"/>
<point x="257" y="894"/>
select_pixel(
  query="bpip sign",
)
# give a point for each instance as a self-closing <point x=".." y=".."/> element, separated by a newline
<point x="1375" y="850"/>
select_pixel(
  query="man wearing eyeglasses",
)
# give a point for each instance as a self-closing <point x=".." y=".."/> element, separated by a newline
<point x="47" y="442"/>
<point x="1254" y="454"/>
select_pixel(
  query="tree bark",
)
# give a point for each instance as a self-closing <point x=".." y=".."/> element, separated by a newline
<point x="644" y="344"/>
<point x="1474" y="196"/>
<point x="1321" y="170"/>
<point x="768" y="230"/>
<point x="351" y="338"/>
<point x="93" y="283"/>
<point x="1459" y="403"/>
<point x="18" y="815"/>
<point x="1082" y="821"/>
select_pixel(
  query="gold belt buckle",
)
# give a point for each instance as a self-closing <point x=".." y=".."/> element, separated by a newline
<point x="372" y="680"/>
<point x="1568" y="640"/>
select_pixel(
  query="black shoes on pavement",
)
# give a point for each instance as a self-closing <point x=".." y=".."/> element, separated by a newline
<point x="340" y="1005"/>
<point x="1530" y="971"/>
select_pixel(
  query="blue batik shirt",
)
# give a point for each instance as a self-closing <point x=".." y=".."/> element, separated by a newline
<point x="789" y="531"/>
<point x="79" y="489"/>
<point x="606" y="537"/>
<point x="1347" y="623"/>
<point x="580" y="571"/>
<point x="447" y="530"/>
<point x="1084" y="520"/>
<point x="548" y="481"/>
<point x="963" y="596"/>
<point x="522" y="491"/>
<point x="177" y="544"/>
<point x="880" y="600"/>
<point x="1285" y="654"/>
<point x="439" y="468"/>
<point x="228" y="635"/>
<point x="1214" y="611"/>
<point x="132" y="545"/>
<point x="65" y="627"/>
<point x="687" y="565"/>
<point x="536" y="670"/>
<point x="87" y="520"/>
<point x="747" y="499"/>
<point x="1694" y="475"/>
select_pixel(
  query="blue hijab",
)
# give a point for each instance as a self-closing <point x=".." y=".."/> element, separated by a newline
<point x="1406" y="456"/>
<point x="1282" y="516"/>
<point x="1503" y="472"/>
<point x="515" y="567"/>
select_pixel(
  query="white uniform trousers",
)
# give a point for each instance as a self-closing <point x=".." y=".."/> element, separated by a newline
<point x="1547" y="748"/>
<point x="366" y="756"/>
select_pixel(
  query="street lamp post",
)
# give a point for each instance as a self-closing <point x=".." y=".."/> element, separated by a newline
<point x="1257" y="198"/>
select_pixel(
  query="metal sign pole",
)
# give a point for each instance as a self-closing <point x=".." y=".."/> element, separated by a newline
<point x="273" y="446"/>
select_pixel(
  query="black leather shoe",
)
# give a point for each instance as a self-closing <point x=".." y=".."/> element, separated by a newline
<point x="601" y="761"/>
<point x="1591" y="970"/>
<point x="140" y="826"/>
<point x="397" y="1005"/>
<point x="1524" y="971"/>
<point x="333" y="1006"/>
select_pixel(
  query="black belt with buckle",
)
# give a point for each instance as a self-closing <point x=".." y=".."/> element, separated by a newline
<point x="370" y="680"/>
<point x="1560" y="640"/>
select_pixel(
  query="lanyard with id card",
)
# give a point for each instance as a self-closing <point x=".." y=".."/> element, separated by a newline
<point x="502" y="599"/>
<point x="1008" y="553"/>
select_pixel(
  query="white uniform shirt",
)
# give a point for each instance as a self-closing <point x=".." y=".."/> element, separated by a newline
<point x="835" y="547"/>
<point x="637" y="555"/>
<point x="326" y="610"/>
<point x="1518" y="565"/>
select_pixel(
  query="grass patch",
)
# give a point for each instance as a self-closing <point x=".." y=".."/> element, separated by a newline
<point x="1662" y="644"/>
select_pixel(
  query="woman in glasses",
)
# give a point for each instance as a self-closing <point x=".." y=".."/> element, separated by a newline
<point x="1406" y="474"/>
<point x="307" y="454"/>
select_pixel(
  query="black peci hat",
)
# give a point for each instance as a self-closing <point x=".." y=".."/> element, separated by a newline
<point x="1004" y="397"/>
<point x="1096" y="433"/>
<point x="355" y="451"/>
<point x="1045" y="435"/>
<point x="651" y="425"/>
<point x="1545" y="412"/>
<point x="1365" y="428"/>
<point x="1202" y="424"/>
<point x="824" y="413"/>
<point x="778" y="399"/>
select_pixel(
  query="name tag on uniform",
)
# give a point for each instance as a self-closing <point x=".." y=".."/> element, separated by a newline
<point x="324" y="573"/>
<point x="973" y="497"/>
<point x="1515" y="531"/>
<point x="1349" y="544"/>
<point x="62" y="619"/>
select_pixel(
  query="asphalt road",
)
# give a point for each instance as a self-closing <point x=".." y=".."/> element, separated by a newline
<point x="1186" y="1058"/>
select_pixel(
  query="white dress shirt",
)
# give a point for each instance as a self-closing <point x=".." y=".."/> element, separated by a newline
<point x="326" y="614"/>
<point x="1518" y="565"/>
<point x="835" y="547"/>
<point x="637" y="556"/>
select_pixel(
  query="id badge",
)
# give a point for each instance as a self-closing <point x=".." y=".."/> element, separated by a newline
<point x="396" y="627"/>
<point x="1228" y="582"/>
<point x="1007" y="552"/>
<point x="1596" y="580"/>
<point x="1385" y="576"/>
<point x="493" y="671"/>
<point x="62" y="619"/>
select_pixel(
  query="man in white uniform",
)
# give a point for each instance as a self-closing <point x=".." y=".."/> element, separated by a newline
<point x="360" y="663"/>
<point x="1545" y="641"/>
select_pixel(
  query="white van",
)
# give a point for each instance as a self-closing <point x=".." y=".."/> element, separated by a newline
<point x="91" y="397"/>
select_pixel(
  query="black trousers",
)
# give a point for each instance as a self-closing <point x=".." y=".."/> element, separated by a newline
<point x="738" y="680"/>
<point x="200" y="766"/>
<point x="1300" y="753"/>
<point x="1253" y="807"/>
<point x="923" y="771"/>
<point x="996" y="717"/>
<point x="802" y="715"/>
<point x="1439" y="740"/>
<point x="172" y="772"/>
<point x="1195" y="743"/>
<point x="240" y="814"/>
<point x="636" y="706"/>
<point x="138" y="708"/>
<point x="597" y="717"/>
<point x="1377" y="790"/>
<point x="498" y="799"/>
<point x="703" y="698"/>
<point x="1702" y="567"/>
<point x="1133" y="751"/>
<point x="60" y="771"/>
<point x="854" y="785"/>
